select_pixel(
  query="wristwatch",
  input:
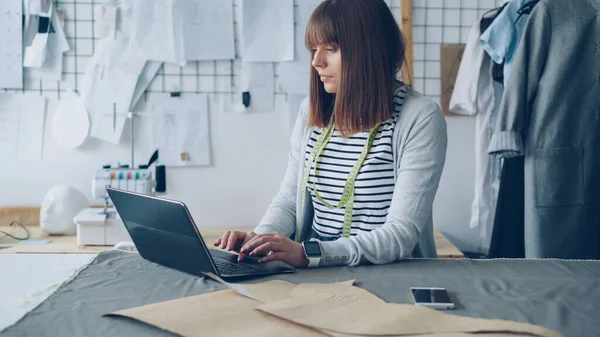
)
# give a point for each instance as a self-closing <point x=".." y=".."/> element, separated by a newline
<point x="312" y="251"/>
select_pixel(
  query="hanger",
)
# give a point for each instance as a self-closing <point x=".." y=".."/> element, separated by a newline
<point x="497" y="9"/>
<point x="526" y="8"/>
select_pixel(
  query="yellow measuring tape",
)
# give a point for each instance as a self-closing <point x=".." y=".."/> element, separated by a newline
<point x="347" y="199"/>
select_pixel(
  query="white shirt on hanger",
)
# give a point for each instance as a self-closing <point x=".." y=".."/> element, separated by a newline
<point x="473" y="94"/>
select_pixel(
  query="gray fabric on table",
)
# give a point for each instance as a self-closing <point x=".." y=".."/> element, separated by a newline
<point x="560" y="295"/>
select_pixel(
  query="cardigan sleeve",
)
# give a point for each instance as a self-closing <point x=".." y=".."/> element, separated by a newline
<point x="522" y="86"/>
<point x="281" y="213"/>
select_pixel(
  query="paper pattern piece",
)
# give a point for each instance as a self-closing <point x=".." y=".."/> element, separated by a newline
<point x="57" y="45"/>
<point x="282" y="309"/>
<point x="294" y="76"/>
<point x="108" y="86"/>
<point x="11" y="52"/>
<point x="180" y="130"/>
<point x="238" y="288"/>
<point x="179" y="30"/>
<point x="267" y="30"/>
<point x="22" y="120"/>
<point x="352" y="315"/>
<point x="70" y="123"/>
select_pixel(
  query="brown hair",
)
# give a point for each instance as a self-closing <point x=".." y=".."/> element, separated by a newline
<point x="372" y="50"/>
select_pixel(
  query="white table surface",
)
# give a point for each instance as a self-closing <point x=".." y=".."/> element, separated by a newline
<point x="28" y="279"/>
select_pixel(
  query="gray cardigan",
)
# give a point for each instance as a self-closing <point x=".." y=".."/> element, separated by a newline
<point x="419" y="148"/>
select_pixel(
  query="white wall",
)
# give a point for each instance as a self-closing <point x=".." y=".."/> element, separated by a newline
<point x="249" y="152"/>
<point x="249" y="155"/>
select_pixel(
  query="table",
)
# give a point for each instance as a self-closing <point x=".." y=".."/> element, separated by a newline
<point x="68" y="244"/>
<point x="560" y="295"/>
<point x="28" y="279"/>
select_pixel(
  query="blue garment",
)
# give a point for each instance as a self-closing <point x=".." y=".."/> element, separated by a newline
<point x="502" y="37"/>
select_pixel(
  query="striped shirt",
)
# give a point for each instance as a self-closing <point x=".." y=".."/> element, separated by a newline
<point x="374" y="184"/>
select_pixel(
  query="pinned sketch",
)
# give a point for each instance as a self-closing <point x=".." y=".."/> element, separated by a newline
<point x="147" y="75"/>
<point x="179" y="30"/>
<point x="294" y="76"/>
<point x="105" y="21"/>
<point x="39" y="29"/>
<point x="22" y="126"/>
<point x="57" y="45"/>
<point x="180" y="129"/>
<point x="267" y="30"/>
<point x="11" y="53"/>
<point x="206" y="29"/>
<point x="108" y="87"/>
<point x="70" y="123"/>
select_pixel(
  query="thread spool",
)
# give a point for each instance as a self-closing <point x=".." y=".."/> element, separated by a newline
<point x="161" y="178"/>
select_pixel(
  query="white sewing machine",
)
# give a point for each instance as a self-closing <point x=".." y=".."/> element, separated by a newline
<point x="102" y="226"/>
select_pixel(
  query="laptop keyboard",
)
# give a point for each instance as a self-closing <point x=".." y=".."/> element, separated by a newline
<point x="226" y="267"/>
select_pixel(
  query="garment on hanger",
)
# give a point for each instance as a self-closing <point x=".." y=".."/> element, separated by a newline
<point x="502" y="38"/>
<point x="550" y="114"/>
<point x="485" y="23"/>
<point x="473" y="94"/>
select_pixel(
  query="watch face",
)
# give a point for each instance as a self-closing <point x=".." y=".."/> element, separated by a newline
<point x="312" y="248"/>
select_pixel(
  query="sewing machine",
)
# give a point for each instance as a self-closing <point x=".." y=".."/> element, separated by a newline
<point x="103" y="226"/>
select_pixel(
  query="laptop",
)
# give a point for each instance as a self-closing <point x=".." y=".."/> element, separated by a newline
<point x="164" y="232"/>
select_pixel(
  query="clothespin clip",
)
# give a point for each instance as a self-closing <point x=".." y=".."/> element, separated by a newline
<point x="175" y="92"/>
<point x="246" y="98"/>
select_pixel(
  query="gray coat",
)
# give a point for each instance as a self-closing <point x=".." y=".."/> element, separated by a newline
<point x="550" y="113"/>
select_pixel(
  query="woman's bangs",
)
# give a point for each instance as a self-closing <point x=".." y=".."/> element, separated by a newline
<point x="320" y="28"/>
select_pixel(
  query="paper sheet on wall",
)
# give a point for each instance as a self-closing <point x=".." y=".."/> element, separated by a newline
<point x="206" y="29"/>
<point x="153" y="34"/>
<point x="294" y="76"/>
<point x="105" y="20"/>
<point x="180" y="129"/>
<point x="267" y="30"/>
<point x="146" y="77"/>
<point x="179" y="30"/>
<point x="22" y="120"/>
<point x="57" y="45"/>
<point x="11" y="56"/>
<point x="36" y="49"/>
<point x="257" y="79"/>
<point x="108" y="87"/>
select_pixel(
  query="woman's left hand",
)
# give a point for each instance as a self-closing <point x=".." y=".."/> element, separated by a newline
<point x="276" y="247"/>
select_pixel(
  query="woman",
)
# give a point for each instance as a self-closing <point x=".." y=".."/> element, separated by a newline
<point x="367" y="152"/>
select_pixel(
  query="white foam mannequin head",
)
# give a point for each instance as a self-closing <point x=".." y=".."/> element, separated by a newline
<point x="61" y="204"/>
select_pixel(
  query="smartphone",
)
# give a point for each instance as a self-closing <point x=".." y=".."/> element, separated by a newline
<point x="436" y="298"/>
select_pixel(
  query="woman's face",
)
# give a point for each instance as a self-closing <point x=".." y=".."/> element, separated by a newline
<point x="327" y="60"/>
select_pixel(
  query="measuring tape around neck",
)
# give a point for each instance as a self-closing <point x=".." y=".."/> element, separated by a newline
<point x="347" y="199"/>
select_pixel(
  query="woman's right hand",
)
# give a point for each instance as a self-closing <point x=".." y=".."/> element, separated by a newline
<point x="234" y="240"/>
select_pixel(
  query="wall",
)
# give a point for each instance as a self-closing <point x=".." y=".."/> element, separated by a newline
<point x="249" y="152"/>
